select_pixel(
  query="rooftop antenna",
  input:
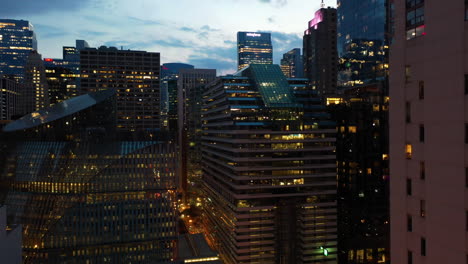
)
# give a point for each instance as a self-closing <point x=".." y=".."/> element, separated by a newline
<point x="322" y="5"/>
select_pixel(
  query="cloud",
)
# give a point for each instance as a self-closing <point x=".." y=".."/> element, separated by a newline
<point x="14" y="8"/>
<point x="224" y="59"/>
<point x="47" y="31"/>
<point x="276" y="3"/>
<point x="188" y="29"/>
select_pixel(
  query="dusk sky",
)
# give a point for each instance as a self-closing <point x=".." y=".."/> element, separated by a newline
<point x="202" y="33"/>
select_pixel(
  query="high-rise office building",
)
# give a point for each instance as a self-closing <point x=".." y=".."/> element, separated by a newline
<point x="35" y="94"/>
<point x="63" y="74"/>
<point x="429" y="132"/>
<point x="135" y="75"/>
<point x="253" y="47"/>
<point x="362" y="140"/>
<point x="9" y="98"/>
<point x="269" y="169"/>
<point x="85" y="192"/>
<point x="169" y="79"/>
<point x="363" y="30"/>
<point x="17" y="40"/>
<point x="292" y="64"/>
<point x="190" y="86"/>
<point x="320" y="56"/>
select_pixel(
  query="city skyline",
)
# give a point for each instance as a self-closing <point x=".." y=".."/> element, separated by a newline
<point x="179" y="35"/>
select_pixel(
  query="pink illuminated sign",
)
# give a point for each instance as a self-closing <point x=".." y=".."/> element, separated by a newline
<point x="317" y="19"/>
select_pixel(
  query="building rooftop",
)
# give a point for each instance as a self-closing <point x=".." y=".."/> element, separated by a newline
<point x="59" y="110"/>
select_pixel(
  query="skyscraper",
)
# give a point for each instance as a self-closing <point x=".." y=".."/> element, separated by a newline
<point x="363" y="30"/>
<point x="10" y="240"/>
<point x="269" y="170"/>
<point x="17" y="40"/>
<point x="135" y="75"/>
<point x="253" y="47"/>
<point x="35" y="93"/>
<point x="9" y="98"/>
<point x="190" y="87"/>
<point x="320" y="56"/>
<point x="429" y="132"/>
<point x="292" y="64"/>
<point x="83" y="191"/>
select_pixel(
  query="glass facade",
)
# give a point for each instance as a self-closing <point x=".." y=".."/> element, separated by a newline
<point x="364" y="32"/>
<point x="17" y="40"/>
<point x="254" y="48"/>
<point x="292" y="64"/>
<point x="82" y="192"/>
<point x="362" y="42"/>
<point x="269" y="172"/>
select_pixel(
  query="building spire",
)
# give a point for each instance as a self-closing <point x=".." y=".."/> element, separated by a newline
<point x="322" y="5"/>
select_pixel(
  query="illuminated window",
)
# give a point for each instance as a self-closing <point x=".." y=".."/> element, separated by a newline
<point x="409" y="151"/>
<point x="407" y="73"/>
<point x="352" y="129"/>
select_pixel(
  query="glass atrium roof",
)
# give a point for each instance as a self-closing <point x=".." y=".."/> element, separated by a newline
<point x="59" y="110"/>
<point x="272" y="85"/>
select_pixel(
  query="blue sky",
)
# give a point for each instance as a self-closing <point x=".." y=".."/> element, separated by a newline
<point x="199" y="32"/>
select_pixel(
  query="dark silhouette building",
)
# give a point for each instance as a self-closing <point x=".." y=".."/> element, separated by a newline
<point x="83" y="191"/>
<point x="320" y="56"/>
<point x="362" y="140"/>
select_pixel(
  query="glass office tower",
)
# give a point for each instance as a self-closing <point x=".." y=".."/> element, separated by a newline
<point x="254" y="47"/>
<point x="269" y="169"/>
<point x="362" y="141"/>
<point x="82" y="192"/>
<point x="17" y="40"/>
<point x="362" y="41"/>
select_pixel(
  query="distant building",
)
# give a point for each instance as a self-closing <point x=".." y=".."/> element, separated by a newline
<point x="320" y="56"/>
<point x="169" y="77"/>
<point x="190" y="86"/>
<point x="10" y="93"/>
<point x="17" y="40"/>
<point x="10" y="240"/>
<point x="363" y="30"/>
<point x="254" y="47"/>
<point x="63" y="75"/>
<point x="135" y="75"/>
<point x="35" y="94"/>
<point x="292" y="64"/>
<point x="86" y="192"/>
<point x="269" y="169"/>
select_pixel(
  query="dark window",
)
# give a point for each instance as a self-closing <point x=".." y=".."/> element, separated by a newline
<point x="422" y="170"/>
<point x="410" y="257"/>
<point x="408" y="112"/>
<point x="466" y="177"/>
<point x="421" y="90"/>
<point x="466" y="220"/>
<point x="414" y="19"/>
<point x="423" y="246"/>
<point x="466" y="18"/>
<point x="408" y="187"/>
<point x="466" y="83"/>
<point x="422" y="208"/>
<point x="409" y="223"/>
<point x="421" y="133"/>
<point x="466" y="133"/>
